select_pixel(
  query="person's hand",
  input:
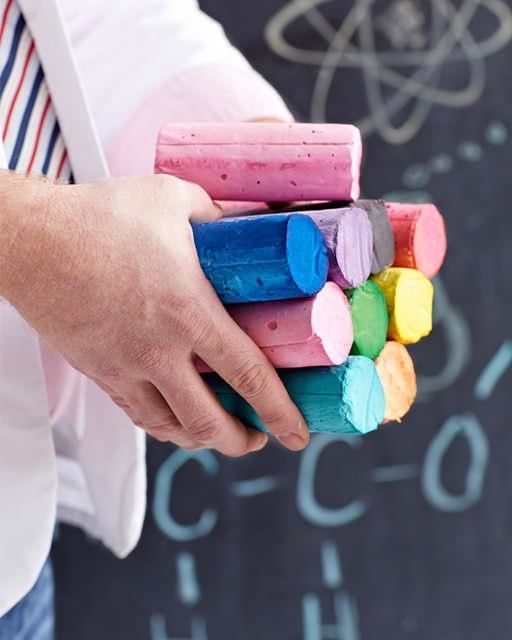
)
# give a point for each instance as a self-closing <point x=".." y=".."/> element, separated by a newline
<point x="107" y="273"/>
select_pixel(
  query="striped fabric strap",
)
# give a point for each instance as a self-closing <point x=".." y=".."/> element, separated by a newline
<point x="30" y="131"/>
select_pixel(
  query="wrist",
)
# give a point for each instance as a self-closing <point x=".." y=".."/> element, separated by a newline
<point x="23" y="230"/>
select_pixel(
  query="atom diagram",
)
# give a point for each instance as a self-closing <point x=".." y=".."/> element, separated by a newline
<point x="424" y="37"/>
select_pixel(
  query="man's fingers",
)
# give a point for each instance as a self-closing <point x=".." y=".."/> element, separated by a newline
<point x="148" y="410"/>
<point x="146" y="406"/>
<point x="178" y="437"/>
<point x="202" y="417"/>
<point x="233" y="355"/>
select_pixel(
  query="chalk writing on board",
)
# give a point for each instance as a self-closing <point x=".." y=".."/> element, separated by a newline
<point x="308" y="504"/>
<point x="457" y="352"/>
<point x="158" y="629"/>
<point x="418" y="175"/>
<point x="163" y="493"/>
<point x="422" y="36"/>
<point x="188" y="587"/>
<point x="346" y="619"/>
<point x="497" y="367"/>
<point x="466" y="426"/>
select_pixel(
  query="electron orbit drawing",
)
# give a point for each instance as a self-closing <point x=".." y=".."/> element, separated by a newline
<point x="405" y="74"/>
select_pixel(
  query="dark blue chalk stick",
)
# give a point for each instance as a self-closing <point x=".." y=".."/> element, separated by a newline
<point x="272" y="257"/>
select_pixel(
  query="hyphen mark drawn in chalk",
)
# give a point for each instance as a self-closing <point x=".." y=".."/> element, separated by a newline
<point x="158" y="629"/>
<point x="162" y="498"/>
<point x="332" y="574"/>
<point x="395" y="473"/>
<point x="448" y="41"/>
<point x="346" y="626"/>
<point x="255" y="487"/>
<point x="307" y="503"/>
<point x="188" y="587"/>
<point x="468" y="427"/>
<point x="494" y="370"/>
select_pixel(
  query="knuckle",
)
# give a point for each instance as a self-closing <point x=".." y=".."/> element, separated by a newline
<point x="147" y="357"/>
<point x="169" y="425"/>
<point x="163" y="182"/>
<point x="252" y="381"/>
<point x="204" y="429"/>
<point x="164" y="432"/>
<point x="192" y="322"/>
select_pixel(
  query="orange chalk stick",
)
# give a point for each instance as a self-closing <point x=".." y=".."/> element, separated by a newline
<point x="398" y="379"/>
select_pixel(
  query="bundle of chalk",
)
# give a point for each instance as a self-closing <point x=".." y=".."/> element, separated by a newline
<point x="331" y="294"/>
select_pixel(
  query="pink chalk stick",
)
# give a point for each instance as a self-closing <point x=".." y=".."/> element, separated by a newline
<point x="309" y="332"/>
<point x="268" y="162"/>
<point x="420" y="236"/>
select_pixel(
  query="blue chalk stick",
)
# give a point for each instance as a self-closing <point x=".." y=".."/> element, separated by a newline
<point x="274" y="257"/>
<point x="345" y="399"/>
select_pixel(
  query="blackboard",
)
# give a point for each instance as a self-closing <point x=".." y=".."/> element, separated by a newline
<point x="407" y="533"/>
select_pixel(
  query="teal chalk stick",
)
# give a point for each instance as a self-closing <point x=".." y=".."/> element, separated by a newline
<point x="345" y="399"/>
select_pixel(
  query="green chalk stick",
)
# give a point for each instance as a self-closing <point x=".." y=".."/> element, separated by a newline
<point x="345" y="399"/>
<point x="369" y="318"/>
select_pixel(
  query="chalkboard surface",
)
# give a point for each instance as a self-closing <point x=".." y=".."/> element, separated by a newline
<point x="407" y="533"/>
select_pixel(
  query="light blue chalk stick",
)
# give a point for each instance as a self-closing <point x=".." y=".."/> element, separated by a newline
<point x="274" y="257"/>
<point x="345" y="399"/>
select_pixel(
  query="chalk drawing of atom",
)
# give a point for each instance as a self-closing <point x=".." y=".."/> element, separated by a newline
<point x="401" y="48"/>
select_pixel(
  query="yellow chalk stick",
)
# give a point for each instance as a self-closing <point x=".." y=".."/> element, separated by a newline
<point x="409" y="296"/>
<point x="398" y="379"/>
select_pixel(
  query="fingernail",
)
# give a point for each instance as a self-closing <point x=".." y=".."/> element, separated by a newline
<point x="293" y="441"/>
<point x="260" y="442"/>
<point x="304" y="430"/>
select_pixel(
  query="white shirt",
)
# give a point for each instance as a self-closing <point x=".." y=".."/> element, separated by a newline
<point x="116" y="71"/>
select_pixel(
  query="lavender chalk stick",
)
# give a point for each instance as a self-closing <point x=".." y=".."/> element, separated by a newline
<point x="383" y="239"/>
<point x="257" y="259"/>
<point x="349" y="239"/>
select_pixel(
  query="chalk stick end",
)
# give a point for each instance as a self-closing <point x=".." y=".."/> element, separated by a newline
<point x="430" y="243"/>
<point x="306" y="254"/>
<point x="363" y="396"/>
<point x="409" y="298"/>
<point x="354" y="248"/>
<point x="331" y="321"/>
<point x="370" y="319"/>
<point x="396" y="372"/>
<point x="357" y="155"/>
<point x="420" y="236"/>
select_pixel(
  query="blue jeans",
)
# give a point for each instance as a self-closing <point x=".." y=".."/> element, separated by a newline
<point x="32" y="618"/>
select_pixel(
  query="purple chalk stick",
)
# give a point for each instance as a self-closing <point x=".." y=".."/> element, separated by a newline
<point x="349" y="239"/>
